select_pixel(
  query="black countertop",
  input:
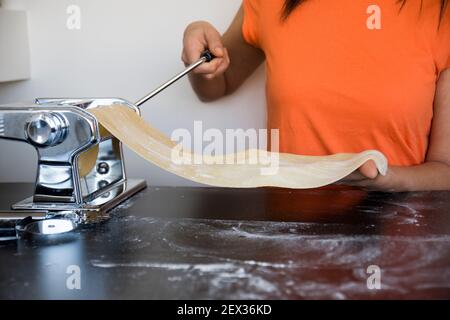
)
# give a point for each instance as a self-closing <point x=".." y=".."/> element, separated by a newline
<point x="207" y="243"/>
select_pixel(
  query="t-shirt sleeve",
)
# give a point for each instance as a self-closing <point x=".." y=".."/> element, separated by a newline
<point x="444" y="44"/>
<point x="447" y="47"/>
<point x="250" y="26"/>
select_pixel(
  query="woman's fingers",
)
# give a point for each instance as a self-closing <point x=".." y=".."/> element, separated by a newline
<point x="209" y="67"/>
<point x="355" y="176"/>
<point x="369" y="170"/>
<point x="224" y="64"/>
<point x="193" y="46"/>
<point x="220" y="65"/>
<point x="214" y="42"/>
<point x="198" y="37"/>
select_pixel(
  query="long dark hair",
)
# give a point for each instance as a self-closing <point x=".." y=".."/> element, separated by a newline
<point x="290" y="5"/>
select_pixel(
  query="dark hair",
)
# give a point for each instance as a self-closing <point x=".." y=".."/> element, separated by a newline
<point x="290" y="5"/>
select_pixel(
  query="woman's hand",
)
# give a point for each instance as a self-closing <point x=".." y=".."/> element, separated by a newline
<point x="235" y="59"/>
<point x="368" y="177"/>
<point x="431" y="175"/>
<point x="198" y="37"/>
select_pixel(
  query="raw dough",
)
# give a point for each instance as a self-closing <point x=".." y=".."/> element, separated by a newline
<point x="88" y="159"/>
<point x="294" y="171"/>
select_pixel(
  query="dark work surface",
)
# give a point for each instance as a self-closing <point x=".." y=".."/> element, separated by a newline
<point x="206" y="243"/>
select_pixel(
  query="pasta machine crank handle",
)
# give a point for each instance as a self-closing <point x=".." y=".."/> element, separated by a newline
<point x="207" y="56"/>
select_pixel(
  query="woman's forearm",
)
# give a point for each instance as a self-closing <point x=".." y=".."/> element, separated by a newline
<point x="208" y="89"/>
<point x="428" y="176"/>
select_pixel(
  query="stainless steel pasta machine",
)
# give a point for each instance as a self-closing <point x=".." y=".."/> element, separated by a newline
<point x="66" y="136"/>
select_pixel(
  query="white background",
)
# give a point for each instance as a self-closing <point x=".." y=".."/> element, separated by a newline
<point x="125" y="48"/>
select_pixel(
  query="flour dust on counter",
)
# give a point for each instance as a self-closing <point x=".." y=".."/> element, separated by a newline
<point x="236" y="259"/>
<point x="210" y="243"/>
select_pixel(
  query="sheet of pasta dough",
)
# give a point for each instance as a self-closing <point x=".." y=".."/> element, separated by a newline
<point x="294" y="171"/>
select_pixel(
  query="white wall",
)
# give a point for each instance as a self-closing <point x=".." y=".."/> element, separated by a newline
<point x="14" y="56"/>
<point x="125" y="48"/>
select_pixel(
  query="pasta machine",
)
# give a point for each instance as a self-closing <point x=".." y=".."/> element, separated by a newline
<point x="68" y="140"/>
<point x="80" y="172"/>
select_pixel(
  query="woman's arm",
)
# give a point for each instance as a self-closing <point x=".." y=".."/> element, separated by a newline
<point x="434" y="174"/>
<point x="236" y="59"/>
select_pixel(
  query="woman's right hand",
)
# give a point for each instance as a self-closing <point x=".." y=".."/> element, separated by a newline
<point x="210" y="81"/>
<point x="198" y="37"/>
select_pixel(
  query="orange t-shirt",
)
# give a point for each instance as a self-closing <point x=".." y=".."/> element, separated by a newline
<point x="351" y="75"/>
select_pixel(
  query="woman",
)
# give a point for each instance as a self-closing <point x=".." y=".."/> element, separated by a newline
<point x="343" y="76"/>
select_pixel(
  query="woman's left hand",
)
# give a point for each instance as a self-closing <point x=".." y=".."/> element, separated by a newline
<point x="368" y="177"/>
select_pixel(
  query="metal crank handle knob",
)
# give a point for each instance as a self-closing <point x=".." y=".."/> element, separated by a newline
<point x="206" y="56"/>
<point x="46" y="129"/>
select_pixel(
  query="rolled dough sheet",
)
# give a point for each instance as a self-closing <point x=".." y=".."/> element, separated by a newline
<point x="294" y="171"/>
